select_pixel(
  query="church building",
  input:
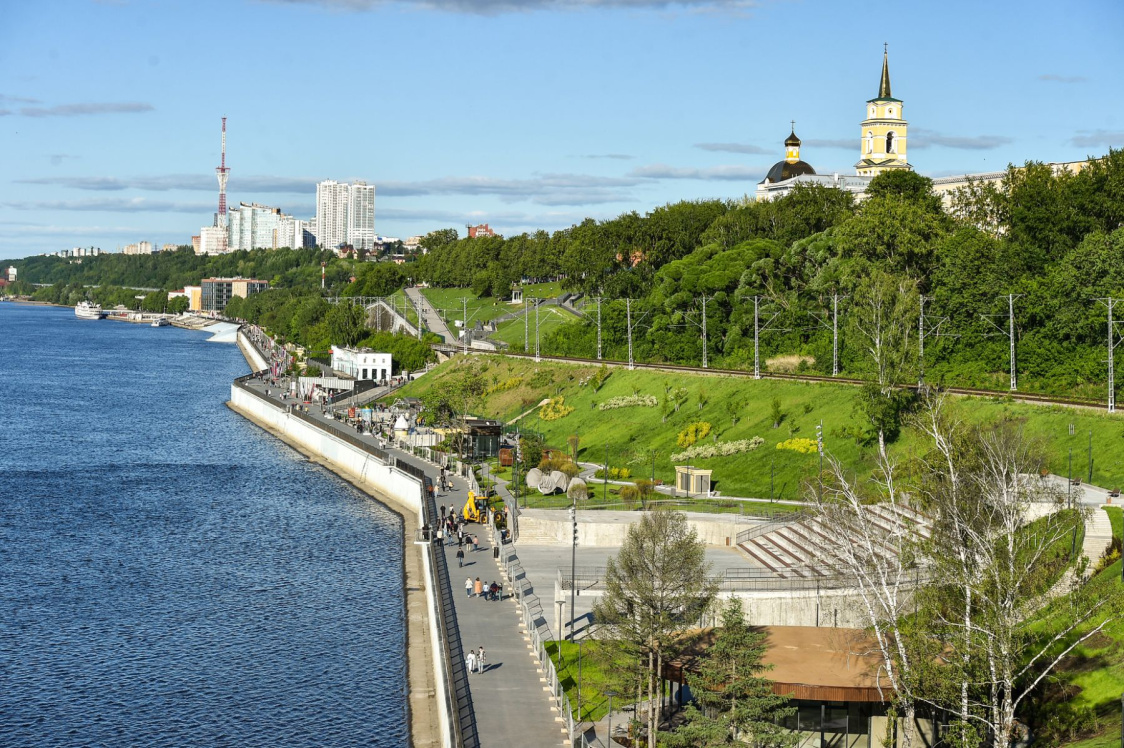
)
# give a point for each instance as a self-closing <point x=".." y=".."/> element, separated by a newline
<point x="882" y="147"/>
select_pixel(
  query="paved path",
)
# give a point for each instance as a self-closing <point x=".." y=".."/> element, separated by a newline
<point x="512" y="709"/>
<point x="429" y="316"/>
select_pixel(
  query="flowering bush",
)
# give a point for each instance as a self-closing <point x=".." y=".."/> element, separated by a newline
<point x="804" y="446"/>
<point x="615" y="473"/>
<point x="504" y="386"/>
<point x="721" y="449"/>
<point x="629" y="401"/>
<point x="693" y="433"/>
<point x="555" y="409"/>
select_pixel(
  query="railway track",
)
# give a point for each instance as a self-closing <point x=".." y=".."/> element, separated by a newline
<point x="1026" y="397"/>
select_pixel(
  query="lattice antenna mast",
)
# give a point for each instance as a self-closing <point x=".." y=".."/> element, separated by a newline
<point x="223" y="173"/>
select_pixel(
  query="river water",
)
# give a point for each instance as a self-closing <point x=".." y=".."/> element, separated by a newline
<point x="170" y="574"/>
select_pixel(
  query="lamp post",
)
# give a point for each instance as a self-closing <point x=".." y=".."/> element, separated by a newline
<point x="580" y="642"/>
<point x="611" y="693"/>
<point x="573" y="562"/>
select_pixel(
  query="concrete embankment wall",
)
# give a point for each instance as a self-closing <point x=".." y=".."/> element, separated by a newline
<point x="609" y="529"/>
<point x="403" y="493"/>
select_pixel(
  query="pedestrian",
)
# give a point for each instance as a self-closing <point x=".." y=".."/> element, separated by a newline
<point x="470" y="661"/>
<point x="475" y="543"/>
<point x="460" y="558"/>
<point x="478" y="587"/>
<point x="493" y="590"/>
<point x="468" y="586"/>
<point x="481" y="660"/>
<point x="440" y="535"/>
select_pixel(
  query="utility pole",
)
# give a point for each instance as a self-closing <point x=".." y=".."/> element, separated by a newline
<point x="1009" y="332"/>
<point x="921" y="343"/>
<point x="835" y="334"/>
<point x="464" y="324"/>
<point x="628" y="313"/>
<point x="526" y="328"/>
<point x="598" y="328"/>
<point x="756" y="335"/>
<point x="704" y="329"/>
<point x="573" y="562"/>
<point x="537" y="359"/>
<point x="1110" y="303"/>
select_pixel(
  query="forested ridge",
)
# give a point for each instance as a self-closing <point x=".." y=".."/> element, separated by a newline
<point x="1052" y="241"/>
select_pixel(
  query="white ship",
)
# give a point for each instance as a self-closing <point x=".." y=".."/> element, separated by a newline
<point x="86" y="310"/>
<point x="161" y="322"/>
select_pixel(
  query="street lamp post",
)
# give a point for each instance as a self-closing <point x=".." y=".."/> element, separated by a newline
<point x="573" y="562"/>
<point x="610" y="693"/>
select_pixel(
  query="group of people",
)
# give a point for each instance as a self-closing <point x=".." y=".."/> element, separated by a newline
<point x="477" y="661"/>
<point x="488" y="591"/>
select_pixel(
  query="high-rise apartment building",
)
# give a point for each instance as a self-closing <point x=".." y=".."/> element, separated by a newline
<point x="332" y="199"/>
<point x="253" y="226"/>
<point x="345" y="214"/>
<point x="361" y="216"/>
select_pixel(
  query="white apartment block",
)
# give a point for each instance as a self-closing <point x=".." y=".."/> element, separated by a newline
<point x="253" y="226"/>
<point x="361" y="216"/>
<point x="345" y="214"/>
<point x="140" y="248"/>
<point x="212" y="240"/>
<point x="361" y="363"/>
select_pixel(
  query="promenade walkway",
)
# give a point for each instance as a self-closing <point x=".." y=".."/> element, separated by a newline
<point x="429" y="316"/>
<point x="511" y="707"/>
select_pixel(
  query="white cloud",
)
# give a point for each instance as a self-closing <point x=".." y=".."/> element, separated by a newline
<point x="720" y="173"/>
<point x="74" y="110"/>
<point x="925" y="138"/>
<point x="1099" y="138"/>
<point x="496" y="7"/>
<point x="1052" y="78"/>
<point x="735" y="148"/>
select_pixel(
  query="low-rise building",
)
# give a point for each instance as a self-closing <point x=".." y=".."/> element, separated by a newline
<point x="216" y="293"/>
<point x="480" y="231"/>
<point x="362" y="363"/>
<point x="11" y="273"/>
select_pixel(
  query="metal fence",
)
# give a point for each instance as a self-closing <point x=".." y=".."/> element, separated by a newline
<point x="538" y="628"/>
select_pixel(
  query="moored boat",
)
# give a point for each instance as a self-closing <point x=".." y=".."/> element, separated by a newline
<point x="161" y="322"/>
<point x="86" y="310"/>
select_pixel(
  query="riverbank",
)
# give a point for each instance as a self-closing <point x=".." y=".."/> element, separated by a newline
<point x="423" y="661"/>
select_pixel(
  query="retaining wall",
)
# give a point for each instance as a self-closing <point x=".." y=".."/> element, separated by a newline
<point x="389" y="483"/>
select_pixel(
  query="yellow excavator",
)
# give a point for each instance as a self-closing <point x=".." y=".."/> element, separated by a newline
<point x="475" y="508"/>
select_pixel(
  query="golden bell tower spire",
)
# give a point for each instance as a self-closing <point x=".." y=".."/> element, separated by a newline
<point x="884" y="131"/>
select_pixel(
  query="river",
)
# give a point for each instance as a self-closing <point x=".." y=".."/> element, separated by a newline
<point x="170" y="574"/>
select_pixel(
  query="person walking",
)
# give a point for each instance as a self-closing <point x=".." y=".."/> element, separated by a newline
<point x="470" y="661"/>
<point x="478" y="587"/>
<point x="467" y="586"/>
<point x="481" y="659"/>
<point x="475" y="543"/>
<point x="460" y="558"/>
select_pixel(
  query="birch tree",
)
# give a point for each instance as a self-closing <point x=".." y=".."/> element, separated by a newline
<point x="879" y="558"/>
<point x="999" y="567"/>
<point x="656" y="586"/>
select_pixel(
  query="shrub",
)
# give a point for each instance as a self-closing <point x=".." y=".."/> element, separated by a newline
<point x="629" y="401"/>
<point x="555" y="409"/>
<point x="721" y="449"/>
<point x="615" y="473"/>
<point x="798" y="444"/>
<point x="312" y="371"/>
<point x="600" y="377"/>
<point x="694" y="433"/>
<point x="504" y="386"/>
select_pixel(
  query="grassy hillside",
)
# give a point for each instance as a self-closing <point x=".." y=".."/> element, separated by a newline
<point x="512" y="331"/>
<point x="631" y="435"/>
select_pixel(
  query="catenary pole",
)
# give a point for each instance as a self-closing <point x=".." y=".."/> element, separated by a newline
<point x="756" y="334"/>
<point x="704" y="330"/>
<point x="1011" y="334"/>
<point x="598" y="328"/>
<point x="835" y="334"/>
<point x="537" y="359"/>
<point x="628" y="313"/>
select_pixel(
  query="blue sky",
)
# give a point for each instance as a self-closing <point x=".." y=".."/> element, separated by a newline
<point x="525" y="114"/>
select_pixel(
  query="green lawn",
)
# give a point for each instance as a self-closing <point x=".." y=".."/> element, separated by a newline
<point x="594" y="680"/>
<point x="1095" y="669"/>
<point x="399" y="301"/>
<point x="631" y="434"/>
<point x="448" y="300"/>
<point x="512" y="331"/>
<point x="542" y="290"/>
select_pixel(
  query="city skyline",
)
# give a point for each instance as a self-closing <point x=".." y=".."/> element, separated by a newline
<point x="523" y="116"/>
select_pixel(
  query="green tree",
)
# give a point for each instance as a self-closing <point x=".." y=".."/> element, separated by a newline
<point x="734" y="703"/>
<point x="656" y="586"/>
<point x="347" y="323"/>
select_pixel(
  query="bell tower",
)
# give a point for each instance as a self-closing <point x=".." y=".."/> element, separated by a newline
<point x="884" y="131"/>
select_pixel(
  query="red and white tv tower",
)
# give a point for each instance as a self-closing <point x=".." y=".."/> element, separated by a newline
<point x="222" y="172"/>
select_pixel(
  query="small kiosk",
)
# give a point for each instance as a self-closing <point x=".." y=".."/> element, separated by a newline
<point x="692" y="481"/>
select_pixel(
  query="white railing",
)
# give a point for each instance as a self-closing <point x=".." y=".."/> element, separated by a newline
<point x="540" y="633"/>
